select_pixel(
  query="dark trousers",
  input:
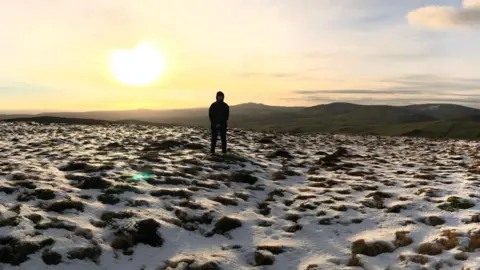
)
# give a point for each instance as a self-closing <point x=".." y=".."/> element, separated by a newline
<point x="223" y="136"/>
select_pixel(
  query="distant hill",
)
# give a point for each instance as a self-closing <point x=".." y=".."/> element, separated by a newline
<point x="13" y="116"/>
<point x="430" y="120"/>
<point x="52" y="119"/>
<point x="79" y="121"/>
<point x="444" y="111"/>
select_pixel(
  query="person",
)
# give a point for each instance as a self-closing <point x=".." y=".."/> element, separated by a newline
<point x="218" y="114"/>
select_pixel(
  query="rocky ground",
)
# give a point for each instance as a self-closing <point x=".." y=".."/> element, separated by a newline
<point x="135" y="197"/>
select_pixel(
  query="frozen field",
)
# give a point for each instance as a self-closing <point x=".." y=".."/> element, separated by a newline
<point x="136" y="197"/>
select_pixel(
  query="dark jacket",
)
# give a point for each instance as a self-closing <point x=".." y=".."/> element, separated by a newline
<point x="219" y="113"/>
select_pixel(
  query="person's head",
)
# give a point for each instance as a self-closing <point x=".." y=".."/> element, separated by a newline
<point x="220" y="96"/>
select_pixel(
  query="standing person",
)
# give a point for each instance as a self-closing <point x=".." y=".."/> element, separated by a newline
<point x="218" y="114"/>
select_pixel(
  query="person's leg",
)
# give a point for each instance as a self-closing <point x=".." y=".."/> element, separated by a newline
<point x="223" y="136"/>
<point x="214" y="139"/>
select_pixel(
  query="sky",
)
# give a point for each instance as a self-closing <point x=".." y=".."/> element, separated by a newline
<point x="55" y="54"/>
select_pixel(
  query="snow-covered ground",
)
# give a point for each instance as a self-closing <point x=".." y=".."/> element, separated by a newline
<point x="136" y="197"/>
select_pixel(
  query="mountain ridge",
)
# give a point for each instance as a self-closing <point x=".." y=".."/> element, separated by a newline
<point x="430" y="120"/>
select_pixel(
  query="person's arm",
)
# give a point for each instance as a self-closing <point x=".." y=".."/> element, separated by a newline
<point x="210" y="113"/>
<point x="228" y="112"/>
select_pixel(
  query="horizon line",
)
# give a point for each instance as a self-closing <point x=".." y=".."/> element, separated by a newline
<point x="39" y="111"/>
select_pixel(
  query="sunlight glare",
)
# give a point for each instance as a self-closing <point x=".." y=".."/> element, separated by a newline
<point x="140" y="66"/>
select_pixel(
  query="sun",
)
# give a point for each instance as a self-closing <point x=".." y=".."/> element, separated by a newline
<point x="139" y="66"/>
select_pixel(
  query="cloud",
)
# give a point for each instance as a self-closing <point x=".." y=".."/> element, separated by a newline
<point x="402" y="90"/>
<point x="22" y="88"/>
<point x="471" y="101"/>
<point x="443" y="17"/>
<point x="432" y="84"/>
<point x="356" y="91"/>
<point x="277" y="75"/>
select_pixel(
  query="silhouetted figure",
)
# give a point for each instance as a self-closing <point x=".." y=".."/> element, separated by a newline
<point x="218" y="114"/>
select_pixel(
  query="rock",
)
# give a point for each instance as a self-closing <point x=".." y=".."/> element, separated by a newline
<point x="264" y="208"/>
<point x="462" y="256"/>
<point x="243" y="177"/>
<point x="147" y="233"/>
<point x="51" y="258"/>
<point x="380" y="194"/>
<point x="230" y="247"/>
<point x="266" y="140"/>
<point x="340" y="208"/>
<point x="83" y="253"/>
<point x="273" y="248"/>
<point x="61" y="206"/>
<point x="429" y="192"/>
<point x="19" y="177"/>
<point x="193" y="262"/>
<point x="354" y="261"/>
<point x="325" y="221"/>
<point x="331" y="160"/>
<point x="264" y="223"/>
<point x="191" y="205"/>
<point x="226" y="224"/>
<point x="11" y="221"/>
<point x="25" y="184"/>
<point x="94" y="182"/>
<point x="98" y="223"/>
<point x="165" y="145"/>
<point x="302" y="197"/>
<point x="35" y="218"/>
<point x="109" y="216"/>
<point x="430" y="249"/>
<point x="263" y="257"/>
<point x="474" y="243"/>
<point x="432" y="220"/>
<point x="378" y="203"/>
<point x="7" y="190"/>
<point x="292" y="217"/>
<point x="85" y="233"/>
<point x="241" y="195"/>
<point x="204" y="266"/>
<point x="414" y="258"/>
<point x="279" y="175"/>
<point x="15" y="252"/>
<point x="44" y="194"/>
<point x="122" y="241"/>
<point x="186" y="217"/>
<point x="280" y="153"/>
<point x="74" y="166"/>
<point x="122" y="188"/>
<point x="192" y="170"/>
<point x="356" y="220"/>
<point x="108" y="199"/>
<point x="206" y="184"/>
<point x="371" y="249"/>
<point x="293" y="228"/>
<point x="225" y="200"/>
<point x="475" y="219"/>
<point x="137" y="203"/>
<point x="193" y="146"/>
<point x="402" y="239"/>
<point x="174" y="192"/>
<point x="56" y="224"/>
<point x="396" y="208"/>
<point x="455" y="203"/>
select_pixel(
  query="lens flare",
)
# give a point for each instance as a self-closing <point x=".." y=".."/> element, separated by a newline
<point x="140" y="176"/>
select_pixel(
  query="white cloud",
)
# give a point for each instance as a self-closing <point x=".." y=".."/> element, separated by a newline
<point x="441" y="17"/>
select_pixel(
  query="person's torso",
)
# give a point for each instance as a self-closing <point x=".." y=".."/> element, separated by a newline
<point x="219" y="111"/>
